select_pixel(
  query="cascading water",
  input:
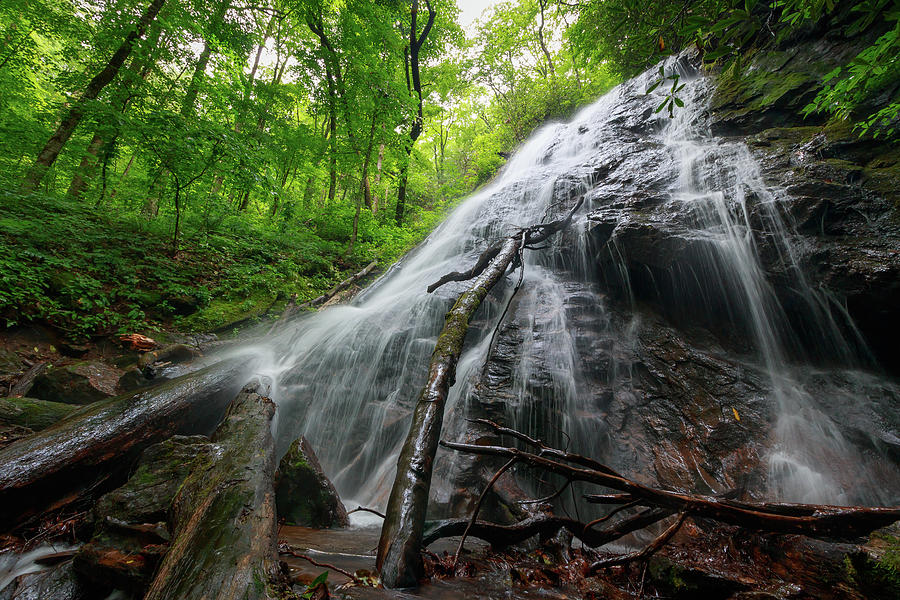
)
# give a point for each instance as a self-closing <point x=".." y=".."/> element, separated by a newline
<point x="347" y="376"/>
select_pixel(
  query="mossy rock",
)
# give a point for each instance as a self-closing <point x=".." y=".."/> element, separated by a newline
<point x="303" y="494"/>
<point x="78" y="383"/>
<point x="876" y="572"/>
<point x="223" y="314"/>
<point x="33" y="413"/>
<point x="677" y="581"/>
<point x="130" y="531"/>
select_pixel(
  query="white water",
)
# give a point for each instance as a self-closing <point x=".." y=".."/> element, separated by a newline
<point x="347" y="377"/>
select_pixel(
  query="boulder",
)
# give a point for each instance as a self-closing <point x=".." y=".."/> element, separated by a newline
<point x="303" y="494"/>
<point x="130" y="532"/>
<point x="77" y="383"/>
<point x="58" y="583"/>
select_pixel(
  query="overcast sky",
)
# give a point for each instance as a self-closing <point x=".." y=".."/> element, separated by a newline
<point x="469" y="10"/>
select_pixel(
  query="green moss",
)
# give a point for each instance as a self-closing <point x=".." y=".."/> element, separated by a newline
<point x="223" y="313"/>
<point x="33" y="413"/>
<point x="877" y="575"/>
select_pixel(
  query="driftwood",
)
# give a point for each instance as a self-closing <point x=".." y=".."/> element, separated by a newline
<point x="224" y="514"/>
<point x="845" y="523"/>
<point x="399" y="560"/>
<point x="292" y="308"/>
<point x="61" y="464"/>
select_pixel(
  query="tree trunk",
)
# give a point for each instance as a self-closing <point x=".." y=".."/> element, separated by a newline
<point x="415" y="44"/>
<point x="59" y="465"/>
<point x="399" y="560"/>
<point x="87" y="165"/>
<point x="224" y="514"/>
<point x="57" y="141"/>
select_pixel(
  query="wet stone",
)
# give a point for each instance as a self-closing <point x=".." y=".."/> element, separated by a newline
<point x="32" y="413"/>
<point x="130" y="530"/>
<point x="78" y="383"/>
<point x="303" y="494"/>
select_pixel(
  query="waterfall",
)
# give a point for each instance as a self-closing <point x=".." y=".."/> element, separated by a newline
<point x="347" y="376"/>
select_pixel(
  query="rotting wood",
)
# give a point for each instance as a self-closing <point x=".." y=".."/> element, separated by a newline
<point x="58" y="465"/>
<point x="23" y="385"/>
<point x="224" y="514"/>
<point x="399" y="560"/>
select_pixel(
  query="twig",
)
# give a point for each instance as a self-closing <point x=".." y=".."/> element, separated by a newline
<point x="364" y="509"/>
<point x="612" y="513"/>
<point x="288" y="550"/>
<point x="484" y="492"/>
<point x="644" y="552"/>
<point x="555" y="494"/>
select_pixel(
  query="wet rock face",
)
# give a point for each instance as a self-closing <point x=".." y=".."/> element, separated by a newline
<point x="645" y="349"/>
<point x="130" y="523"/>
<point x="842" y="198"/>
<point x="78" y="383"/>
<point x="662" y="405"/>
<point x="303" y="494"/>
<point x="58" y="583"/>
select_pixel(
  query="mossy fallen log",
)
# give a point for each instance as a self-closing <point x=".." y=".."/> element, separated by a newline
<point x="63" y="463"/>
<point x="223" y="518"/>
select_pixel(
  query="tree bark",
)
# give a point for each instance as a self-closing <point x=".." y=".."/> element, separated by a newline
<point x="58" y="465"/>
<point x="79" y="181"/>
<point x="57" y="141"/>
<point x="224" y="514"/>
<point x="399" y="560"/>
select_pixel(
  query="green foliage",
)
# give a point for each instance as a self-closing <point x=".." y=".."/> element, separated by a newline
<point x="632" y="36"/>
<point x="850" y="89"/>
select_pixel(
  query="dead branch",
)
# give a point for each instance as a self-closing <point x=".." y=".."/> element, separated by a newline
<point x="364" y="509"/>
<point x="290" y="551"/>
<point x="546" y="525"/>
<point x="477" y="508"/>
<point x="532" y="235"/>
<point x="399" y="560"/>
<point x="644" y="552"/>
<point x="292" y="308"/>
<point x="822" y="521"/>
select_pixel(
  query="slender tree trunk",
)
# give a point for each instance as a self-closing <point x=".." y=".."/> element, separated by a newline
<point x="377" y="177"/>
<point x="415" y="44"/>
<point x="57" y="141"/>
<point x="79" y="181"/>
<point x="124" y="176"/>
<point x="543" y="4"/>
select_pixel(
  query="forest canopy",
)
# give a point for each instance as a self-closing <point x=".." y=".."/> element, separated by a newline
<point x="198" y="159"/>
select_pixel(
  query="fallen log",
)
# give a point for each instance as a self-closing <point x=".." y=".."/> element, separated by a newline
<point x="223" y="518"/>
<point x="59" y="465"/>
<point x="399" y="560"/>
<point x="292" y="308"/>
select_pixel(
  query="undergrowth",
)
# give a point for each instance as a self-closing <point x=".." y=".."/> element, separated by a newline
<point x="88" y="271"/>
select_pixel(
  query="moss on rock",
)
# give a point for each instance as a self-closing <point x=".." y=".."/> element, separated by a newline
<point x="303" y="494"/>
<point x="33" y="413"/>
